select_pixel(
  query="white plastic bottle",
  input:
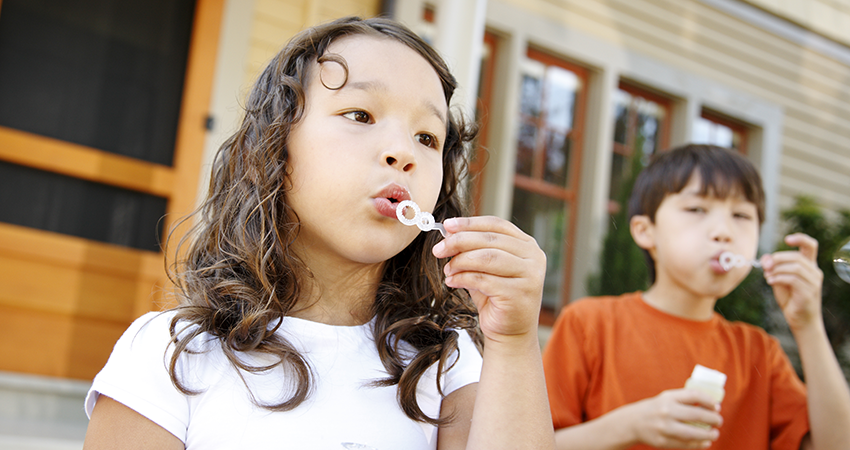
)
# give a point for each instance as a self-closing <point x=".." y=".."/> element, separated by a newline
<point x="709" y="381"/>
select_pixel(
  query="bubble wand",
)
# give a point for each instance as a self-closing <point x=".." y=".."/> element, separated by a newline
<point x="728" y="260"/>
<point x="424" y="220"/>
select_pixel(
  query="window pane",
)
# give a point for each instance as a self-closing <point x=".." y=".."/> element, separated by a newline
<point x="557" y="158"/>
<point x="619" y="164"/>
<point x="622" y="100"/>
<point x="52" y="202"/>
<point x="560" y="92"/>
<point x="545" y="219"/>
<point x="525" y="148"/>
<point x="530" y="96"/>
<point x="105" y="74"/>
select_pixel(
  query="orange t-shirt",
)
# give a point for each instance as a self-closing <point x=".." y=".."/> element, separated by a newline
<point x="607" y="352"/>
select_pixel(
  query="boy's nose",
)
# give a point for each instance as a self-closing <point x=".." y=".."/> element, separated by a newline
<point x="722" y="230"/>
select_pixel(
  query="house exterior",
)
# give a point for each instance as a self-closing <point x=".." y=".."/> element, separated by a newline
<point x="109" y="117"/>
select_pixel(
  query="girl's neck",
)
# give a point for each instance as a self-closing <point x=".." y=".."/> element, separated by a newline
<point x="341" y="296"/>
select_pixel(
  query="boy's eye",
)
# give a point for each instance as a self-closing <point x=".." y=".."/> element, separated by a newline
<point x="427" y="140"/>
<point x="358" y="116"/>
<point x="744" y="216"/>
<point x="695" y="209"/>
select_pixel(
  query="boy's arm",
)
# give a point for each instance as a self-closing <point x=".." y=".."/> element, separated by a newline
<point x="503" y="270"/>
<point x="659" y="421"/>
<point x="796" y="281"/>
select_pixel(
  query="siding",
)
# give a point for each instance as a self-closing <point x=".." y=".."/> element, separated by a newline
<point x="812" y="88"/>
<point x="276" y="21"/>
<point x="828" y="17"/>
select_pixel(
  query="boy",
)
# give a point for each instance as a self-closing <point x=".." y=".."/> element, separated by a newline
<point x="616" y="366"/>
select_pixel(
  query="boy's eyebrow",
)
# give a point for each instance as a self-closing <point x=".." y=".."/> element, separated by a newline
<point x="375" y="86"/>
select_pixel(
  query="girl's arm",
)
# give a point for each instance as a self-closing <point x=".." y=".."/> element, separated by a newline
<point x="503" y="270"/>
<point x="796" y="281"/>
<point x="115" y="426"/>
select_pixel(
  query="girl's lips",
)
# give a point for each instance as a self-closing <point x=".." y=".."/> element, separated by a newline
<point x="385" y="207"/>
<point x="389" y="197"/>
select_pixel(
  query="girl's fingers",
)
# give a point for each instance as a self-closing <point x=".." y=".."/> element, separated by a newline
<point x="491" y="260"/>
<point x="482" y="223"/>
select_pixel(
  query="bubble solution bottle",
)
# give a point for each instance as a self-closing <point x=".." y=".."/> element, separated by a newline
<point x="709" y="381"/>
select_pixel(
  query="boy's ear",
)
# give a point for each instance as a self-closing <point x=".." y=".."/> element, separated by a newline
<point x="643" y="231"/>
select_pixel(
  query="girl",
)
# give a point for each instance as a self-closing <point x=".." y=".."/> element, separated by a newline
<point x="311" y="317"/>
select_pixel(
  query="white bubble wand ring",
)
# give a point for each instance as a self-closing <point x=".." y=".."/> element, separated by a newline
<point x="422" y="219"/>
<point x="728" y="260"/>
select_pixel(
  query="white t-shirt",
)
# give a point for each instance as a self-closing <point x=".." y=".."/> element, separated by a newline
<point x="342" y="408"/>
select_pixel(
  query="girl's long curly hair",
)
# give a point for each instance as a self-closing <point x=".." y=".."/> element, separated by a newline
<point x="239" y="276"/>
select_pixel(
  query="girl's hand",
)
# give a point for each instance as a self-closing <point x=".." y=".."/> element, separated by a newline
<point x="796" y="281"/>
<point x="503" y="270"/>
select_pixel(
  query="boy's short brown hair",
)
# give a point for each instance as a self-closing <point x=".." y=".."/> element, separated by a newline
<point x="724" y="172"/>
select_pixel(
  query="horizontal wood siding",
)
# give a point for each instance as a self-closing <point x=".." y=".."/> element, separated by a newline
<point x="276" y="21"/>
<point x="828" y="17"/>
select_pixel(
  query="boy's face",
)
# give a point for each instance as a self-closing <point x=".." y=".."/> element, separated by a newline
<point x="689" y="234"/>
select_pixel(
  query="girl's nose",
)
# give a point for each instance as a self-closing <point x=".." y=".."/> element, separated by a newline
<point x="399" y="152"/>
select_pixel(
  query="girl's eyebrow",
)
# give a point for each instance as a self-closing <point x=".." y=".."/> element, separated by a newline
<point x="380" y="86"/>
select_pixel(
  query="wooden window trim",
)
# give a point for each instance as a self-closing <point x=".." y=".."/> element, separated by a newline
<point x="476" y="168"/>
<point x="79" y="161"/>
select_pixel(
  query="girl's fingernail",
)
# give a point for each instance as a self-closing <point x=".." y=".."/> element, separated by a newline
<point x="439" y="247"/>
<point x="450" y="222"/>
<point x="449" y="281"/>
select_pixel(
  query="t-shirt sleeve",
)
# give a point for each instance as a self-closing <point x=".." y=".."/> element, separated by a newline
<point x="136" y="375"/>
<point x="467" y="368"/>
<point x="566" y="368"/>
<point x="789" y="418"/>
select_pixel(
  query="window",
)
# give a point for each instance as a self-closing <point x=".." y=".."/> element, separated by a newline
<point x="98" y="80"/>
<point x="715" y="129"/>
<point x="641" y="128"/>
<point x="548" y="153"/>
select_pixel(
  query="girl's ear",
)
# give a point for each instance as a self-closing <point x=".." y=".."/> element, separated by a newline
<point x="643" y="231"/>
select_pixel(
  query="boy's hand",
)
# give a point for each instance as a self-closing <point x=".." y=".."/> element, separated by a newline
<point x="663" y="421"/>
<point x="503" y="270"/>
<point x="796" y="281"/>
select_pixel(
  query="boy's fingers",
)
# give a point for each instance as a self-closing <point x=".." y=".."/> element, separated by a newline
<point x="806" y="244"/>
<point x="695" y="397"/>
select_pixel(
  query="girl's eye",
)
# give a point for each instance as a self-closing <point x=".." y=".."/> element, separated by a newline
<point x="695" y="209"/>
<point x="428" y="140"/>
<point x="744" y="216"/>
<point x="358" y="116"/>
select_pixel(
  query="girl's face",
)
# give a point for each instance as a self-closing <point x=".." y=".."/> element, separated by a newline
<point x="360" y="149"/>
<point x="689" y="234"/>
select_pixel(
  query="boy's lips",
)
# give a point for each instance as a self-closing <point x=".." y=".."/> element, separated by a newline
<point x="715" y="264"/>
<point x="389" y="197"/>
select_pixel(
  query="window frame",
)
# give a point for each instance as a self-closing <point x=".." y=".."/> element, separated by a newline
<point x="568" y="194"/>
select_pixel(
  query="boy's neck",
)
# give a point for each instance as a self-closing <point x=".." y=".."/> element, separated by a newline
<point x="680" y="304"/>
